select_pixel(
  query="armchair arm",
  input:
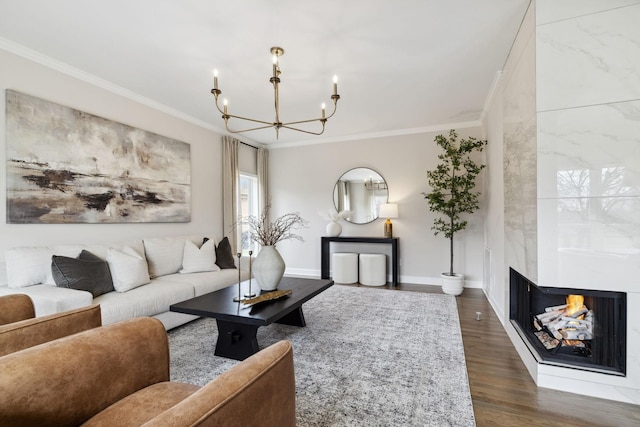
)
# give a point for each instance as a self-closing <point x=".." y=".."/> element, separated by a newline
<point x="16" y="307"/>
<point x="67" y="381"/>
<point x="260" y="391"/>
<point x="31" y="332"/>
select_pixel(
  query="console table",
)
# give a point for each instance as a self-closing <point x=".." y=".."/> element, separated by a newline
<point x="325" y="258"/>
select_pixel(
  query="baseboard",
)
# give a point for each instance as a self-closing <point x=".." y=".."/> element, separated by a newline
<point x="414" y="280"/>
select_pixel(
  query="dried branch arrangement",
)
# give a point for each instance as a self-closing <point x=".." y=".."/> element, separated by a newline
<point x="270" y="233"/>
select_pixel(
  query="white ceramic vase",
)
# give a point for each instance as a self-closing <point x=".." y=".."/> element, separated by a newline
<point x="452" y="285"/>
<point x="268" y="268"/>
<point x="334" y="229"/>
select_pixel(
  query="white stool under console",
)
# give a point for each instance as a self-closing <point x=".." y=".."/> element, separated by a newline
<point x="373" y="269"/>
<point x="345" y="267"/>
<point x="374" y="263"/>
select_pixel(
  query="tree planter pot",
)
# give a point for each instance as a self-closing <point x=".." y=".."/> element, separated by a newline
<point x="452" y="285"/>
<point x="268" y="268"/>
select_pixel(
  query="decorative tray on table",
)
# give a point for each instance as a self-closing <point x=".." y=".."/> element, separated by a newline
<point x="269" y="296"/>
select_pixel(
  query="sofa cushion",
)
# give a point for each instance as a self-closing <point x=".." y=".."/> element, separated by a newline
<point x="27" y="266"/>
<point x="128" y="268"/>
<point x="51" y="299"/>
<point x="209" y="281"/>
<point x="197" y="259"/>
<point x="224" y="255"/>
<point x="145" y="300"/>
<point x="87" y="272"/>
<point x="164" y="255"/>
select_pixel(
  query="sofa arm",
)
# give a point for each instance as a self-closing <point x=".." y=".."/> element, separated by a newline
<point x="14" y="308"/>
<point x="67" y="381"/>
<point x="31" y="332"/>
<point x="259" y="391"/>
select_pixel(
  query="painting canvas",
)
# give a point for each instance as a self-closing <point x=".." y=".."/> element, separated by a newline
<point x="67" y="166"/>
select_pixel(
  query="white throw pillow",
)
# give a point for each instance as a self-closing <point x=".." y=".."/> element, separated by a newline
<point x="164" y="255"/>
<point x="199" y="259"/>
<point x="128" y="269"/>
<point x="27" y="266"/>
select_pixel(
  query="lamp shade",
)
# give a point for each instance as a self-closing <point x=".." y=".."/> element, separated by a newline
<point x="389" y="210"/>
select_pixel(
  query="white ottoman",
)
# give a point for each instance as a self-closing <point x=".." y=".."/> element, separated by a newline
<point x="373" y="269"/>
<point x="345" y="267"/>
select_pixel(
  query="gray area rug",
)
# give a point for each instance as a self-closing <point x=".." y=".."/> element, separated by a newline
<point x="367" y="357"/>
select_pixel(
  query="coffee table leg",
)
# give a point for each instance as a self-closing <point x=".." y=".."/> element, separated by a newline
<point x="235" y="340"/>
<point x="294" y="318"/>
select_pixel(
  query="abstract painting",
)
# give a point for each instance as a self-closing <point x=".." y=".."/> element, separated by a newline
<point x="68" y="166"/>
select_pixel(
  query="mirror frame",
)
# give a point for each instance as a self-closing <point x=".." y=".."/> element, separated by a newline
<point x="378" y="182"/>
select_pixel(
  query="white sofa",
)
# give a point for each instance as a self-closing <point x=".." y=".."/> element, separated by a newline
<point x="176" y="269"/>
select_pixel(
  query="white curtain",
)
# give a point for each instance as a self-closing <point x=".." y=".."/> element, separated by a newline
<point x="263" y="178"/>
<point x="230" y="178"/>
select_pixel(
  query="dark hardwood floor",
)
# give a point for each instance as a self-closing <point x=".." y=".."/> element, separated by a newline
<point x="502" y="390"/>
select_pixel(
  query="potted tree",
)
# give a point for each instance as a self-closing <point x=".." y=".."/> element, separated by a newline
<point x="452" y="183"/>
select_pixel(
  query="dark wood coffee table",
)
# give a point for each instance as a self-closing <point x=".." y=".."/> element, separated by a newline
<point x="238" y="324"/>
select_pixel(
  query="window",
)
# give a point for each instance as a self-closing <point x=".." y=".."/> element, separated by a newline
<point x="248" y="207"/>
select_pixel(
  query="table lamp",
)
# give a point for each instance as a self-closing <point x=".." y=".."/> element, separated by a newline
<point x="388" y="210"/>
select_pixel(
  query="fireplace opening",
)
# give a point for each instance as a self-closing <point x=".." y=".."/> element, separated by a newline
<point x="574" y="328"/>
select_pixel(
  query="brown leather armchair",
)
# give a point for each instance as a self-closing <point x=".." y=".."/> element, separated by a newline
<point x="119" y="375"/>
<point x="20" y="329"/>
<point x="16" y="307"/>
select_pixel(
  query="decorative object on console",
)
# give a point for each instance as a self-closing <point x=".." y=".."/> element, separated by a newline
<point x="269" y="265"/>
<point x="276" y="53"/>
<point x="68" y="166"/>
<point x="452" y="183"/>
<point x="388" y="210"/>
<point x="334" y="229"/>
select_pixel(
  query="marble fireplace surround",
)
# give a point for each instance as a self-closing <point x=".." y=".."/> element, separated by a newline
<point x="571" y="148"/>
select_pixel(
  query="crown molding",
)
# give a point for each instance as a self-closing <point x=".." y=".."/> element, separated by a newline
<point x="488" y="102"/>
<point x="383" y="134"/>
<point x="49" y="62"/>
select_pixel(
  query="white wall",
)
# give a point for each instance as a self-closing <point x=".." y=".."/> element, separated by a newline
<point x="495" y="268"/>
<point x="302" y="179"/>
<point x="29" y="77"/>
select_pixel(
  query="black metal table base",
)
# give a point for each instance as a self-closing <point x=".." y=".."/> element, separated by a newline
<point x="238" y="340"/>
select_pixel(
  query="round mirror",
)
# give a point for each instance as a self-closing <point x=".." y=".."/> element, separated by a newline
<point x="360" y="191"/>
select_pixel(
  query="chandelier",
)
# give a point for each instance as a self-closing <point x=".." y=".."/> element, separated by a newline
<point x="277" y="124"/>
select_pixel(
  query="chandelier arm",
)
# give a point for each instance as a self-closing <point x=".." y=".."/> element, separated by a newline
<point x="269" y="126"/>
<point x="232" y="116"/>
<point x="305" y="131"/>
<point x="320" y="119"/>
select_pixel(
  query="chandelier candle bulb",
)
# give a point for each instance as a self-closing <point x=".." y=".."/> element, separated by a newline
<point x="335" y="85"/>
<point x="323" y="107"/>
<point x="225" y="102"/>
<point x="215" y="79"/>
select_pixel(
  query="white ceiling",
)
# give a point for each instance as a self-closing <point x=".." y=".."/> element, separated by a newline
<point x="403" y="65"/>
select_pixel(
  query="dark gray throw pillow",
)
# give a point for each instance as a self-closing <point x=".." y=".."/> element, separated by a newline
<point x="224" y="256"/>
<point x="88" y="272"/>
